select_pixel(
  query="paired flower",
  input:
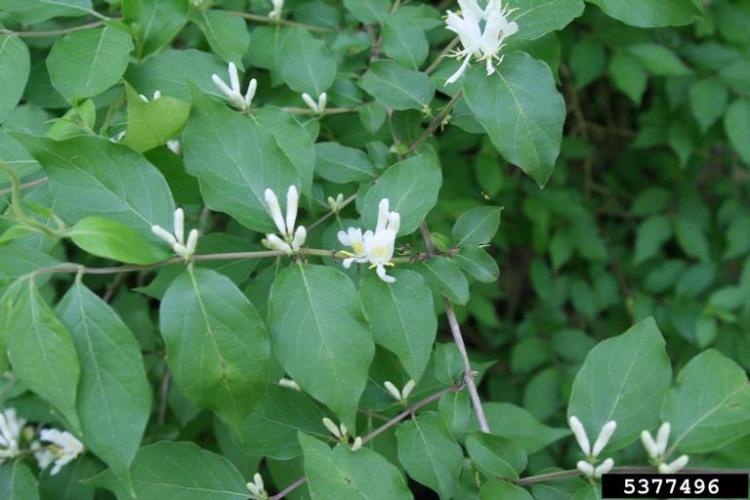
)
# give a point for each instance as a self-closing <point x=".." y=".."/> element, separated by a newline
<point x="177" y="240"/>
<point x="156" y="96"/>
<point x="374" y="247"/>
<point x="277" y="6"/>
<point x="482" y="33"/>
<point x="317" y="107"/>
<point x="291" y="239"/>
<point x="588" y="467"/>
<point x="657" y="450"/>
<point x="341" y="433"/>
<point x="402" y="395"/>
<point x="63" y="448"/>
<point x="10" y="434"/>
<point x="336" y="204"/>
<point x="257" y="488"/>
<point x="233" y="92"/>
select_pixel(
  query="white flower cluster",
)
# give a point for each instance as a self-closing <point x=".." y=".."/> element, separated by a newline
<point x="374" y="247"/>
<point x="482" y="33"/>
<point x="657" y="450"/>
<point x="588" y="467"/>
<point x="61" y="448"/>
<point x="317" y="107"/>
<point x="257" y="488"/>
<point x="177" y="240"/>
<point x="402" y="395"/>
<point x="233" y="92"/>
<point x="291" y="239"/>
<point x="341" y="433"/>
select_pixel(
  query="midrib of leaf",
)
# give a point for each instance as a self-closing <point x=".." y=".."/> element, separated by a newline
<point x="524" y="121"/>
<point x="90" y="72"/>
<point x="474" y="229"/>
<point x="402" y="90"/>
<point x="401" y="322"/>
<point x="428" y="452"/>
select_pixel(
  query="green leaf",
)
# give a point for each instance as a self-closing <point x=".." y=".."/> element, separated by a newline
<point x="477" y="226"/>
<point x="496" y="456"/>
<point x="153" y="123"/>
<point x="501" y="489"/>
<point x="402" y="316"/>
<point x="114" y="395"/>
<point x="692" y="239"/>
<point x="320" y="336"/>
<point x="411" y="187"/>
<point x="173" y="71"/>
<point x="429" y="453"/>
<point x="536" y="18"/>
<point x="14" y="72"/>
<point x="235" y="159"/>
<point x="41" y="351"/>
<point x="650" y="14"/>
<point x="445" y="276"/>
<point x="93" y="176"/>
<point x="305" y="63"/>
<point x="342" y="164"/>
<point x="368" y="11"/>
<point x="217" y="344"/>
<point x="404" y="41"/>
<point x="17" y="482"/>
<point x="34" y="11"/>
<point x="478" y="264"/>
<point x="343" y="473"/>
<point x="88" y="62"/>
<point x="114" y="240"/>
<point x="397" y="87"/>
<point x="178" y="470"/>
<point x="66" y="484"/>
<point x="658" y="60"/>
<point x="737" y="126"/>
<point x="521" y="110"/>
<point x="17" y="260"/>
<point x="624" y="378"/>
<point x="628" y="75"/>
<point x="709" y="407"/>
<point x="265" y="47"/>
<point x="651" y="236"/>
<point x="519" y="425"/>
<point x="708" y="101"/>
<point x="271" y="429"/>
<point x="154" y="23"/>
<point x="587" y="61"/>
<point x="226" y="34"/>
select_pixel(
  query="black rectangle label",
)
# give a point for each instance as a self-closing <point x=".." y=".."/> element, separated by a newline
<point x="730" y="485"/>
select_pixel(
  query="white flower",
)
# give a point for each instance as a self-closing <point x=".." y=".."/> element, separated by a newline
<point x="588" y="467"/>
<point x="401" y="395"/>
<point x="277" y="6"/>
<point x="604" y="467"/>
<point x="357" y="443"/>
<point x="289" y="384"/>
<point x="63" y="448"/>
<point x="604" y="435"/>
<point x="580" y="433"/>
<point x="174" y="146"/>
<point x="675" y="466"/>
<point x="177" y="240"/>
<point x="317" y="107"/>
<point x="233" y="92"/>
<point x="10" y="433"/>
<point x="340" y="432"/>
<point x="257" y="488"/>
<point x="482" y="33"/>
<point x="353" y="238"/>
<point x="157" y="95"/>
<point x="291" y="239"/>
<point x="335" y="204"/>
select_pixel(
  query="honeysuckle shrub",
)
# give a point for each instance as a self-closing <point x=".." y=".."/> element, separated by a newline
<point x="371" y="248"/>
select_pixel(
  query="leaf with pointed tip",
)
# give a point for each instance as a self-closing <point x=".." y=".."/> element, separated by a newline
<point x="226" y="33"/>
<point x="14" y="72"/>
<point x="153" y="123"/>
<point x="320" y="336"/>
<point x="536" y="18"/>
<point x="397" y="87"/>
<point x="477" y="226"/>
<point x="305" y="63"/>
<point x="114" y="240"/>
<point x="217" y="344"/>
<point x="496" y="456"/>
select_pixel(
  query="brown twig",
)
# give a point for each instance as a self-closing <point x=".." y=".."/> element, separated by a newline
<point x="26" y="185"/>
<point x="436" y="122"/>
<point x="45" y="34"/>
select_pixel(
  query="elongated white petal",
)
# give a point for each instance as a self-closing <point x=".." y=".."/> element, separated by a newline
<point x="408" y="387"/>
<point x="222" y="86"/>
<point x="234" y="78"/>
<point x="586" y="468"/>
<point x="383" y="212"/>
<point x="662" y="437"/>
<point x="332" y="428"/>
<point x="392" y="390"/>
<point x="179" y="225"/>
<point x="380" y="271"/>
<point x="322" y="102"/>
<point x="143" y="97"/>
<point x="192" y="241"/>
<point x="164" y="234"/>
<point x="180" y="250"/>
<point x="273" y="242"/>
<point x="343" y="429"/>
<point x="649" y="444"/>
<point x="258" y="479"/>
<point x="604" y="467"/>
<point x="580" y="433"/>
<point x="455" y="76"/>
<point x="254" y="491"/>
<point x="250" y="94"/>
<point x="675" y="466"/>
<point x="300" y="235"/>
<point x="310" y="101"/>
<point x="292" y="204"/>
<point x="289" y="384"/>
<point x="275" y="210"/>
<point x="157" y="95"/>
<point x="394" y="221"/>
<point x="357" y="443"/>
<point x="343" y="237"/>
<point x="604" y="435"/>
